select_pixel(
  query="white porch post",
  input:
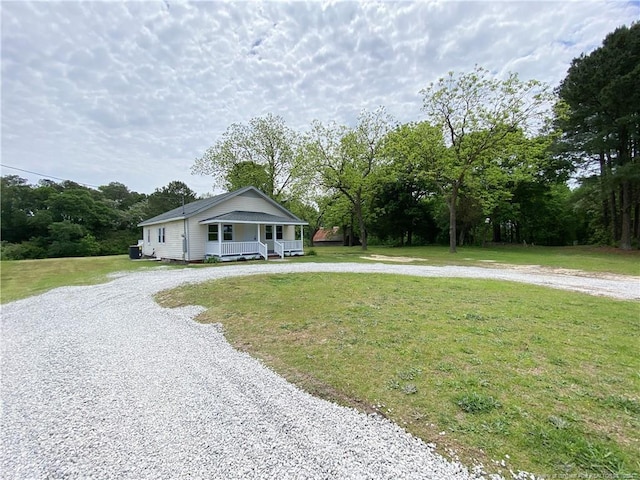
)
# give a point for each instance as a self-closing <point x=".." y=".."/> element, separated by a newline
<point x="220" y="239"/>
<point x="258" y="232"/>
<point x="302" y="234"/>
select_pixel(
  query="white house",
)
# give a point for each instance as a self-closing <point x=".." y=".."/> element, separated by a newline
<point x="241" y="224"/>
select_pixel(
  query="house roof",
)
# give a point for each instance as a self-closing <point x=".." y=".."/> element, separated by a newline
<point x="252" y="217"/>
<point x="328" y="235"/>
<point x="199" y="206"/>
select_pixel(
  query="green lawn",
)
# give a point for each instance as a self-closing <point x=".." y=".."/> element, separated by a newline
<point x="546" y="380"/>
<point x="550" y="378"/>
<point x="23" y="278"/>
<point x="590" y="259"/>
<point x="20" y="279"/>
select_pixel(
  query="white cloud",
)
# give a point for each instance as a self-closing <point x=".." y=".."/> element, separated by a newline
<point x="135" y="91"/>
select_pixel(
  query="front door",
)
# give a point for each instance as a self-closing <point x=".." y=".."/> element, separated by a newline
<point x="268" y="237"/>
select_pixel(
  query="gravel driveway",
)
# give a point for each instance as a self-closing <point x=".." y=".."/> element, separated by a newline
<point x="101" y="382"/>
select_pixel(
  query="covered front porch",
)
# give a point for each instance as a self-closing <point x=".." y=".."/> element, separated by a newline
<point x="252" y="235"/>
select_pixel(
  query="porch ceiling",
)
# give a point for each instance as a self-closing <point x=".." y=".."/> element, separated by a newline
<point x="251" y="217"/>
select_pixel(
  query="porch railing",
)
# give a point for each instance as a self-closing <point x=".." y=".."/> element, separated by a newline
<point x="280" y="248"/>
<point x="239" y="248"/>
<point x="232" y="248"/>
<point x="292" y="245"/>
<point x="225" y="249"/>
<point x="264" y="250"/>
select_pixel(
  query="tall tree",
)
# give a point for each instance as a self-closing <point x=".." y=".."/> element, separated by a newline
<point x="348" y="160"/>
<point x="266" y="142"/>
<point x="176" y="193"/>
<point x="479" y="115"/>
<point x="601" y="121"/>
<point x="412" y="149"/>
<point x="245" y="174"/>
<point x="16" y="208"/>
<point x="120" y="195"/>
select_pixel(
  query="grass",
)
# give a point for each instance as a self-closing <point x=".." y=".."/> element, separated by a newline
<point x="590" y="259"/>
<point x="546" y="380"/>
<point x="23" y="278"/>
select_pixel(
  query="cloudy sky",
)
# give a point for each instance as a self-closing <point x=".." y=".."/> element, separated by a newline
<point x="133" y="92"/>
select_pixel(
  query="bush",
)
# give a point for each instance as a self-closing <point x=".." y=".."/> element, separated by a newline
<point x="21" y="251"/>
<point x="88" y="246"/>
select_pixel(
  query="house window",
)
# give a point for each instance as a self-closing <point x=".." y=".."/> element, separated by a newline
<point x="279" y="232"/>
<point x="268" y="232"/>
<point x="227" y="233"/>
<point x="161" y="237"/>
<point x="213" y="233"/>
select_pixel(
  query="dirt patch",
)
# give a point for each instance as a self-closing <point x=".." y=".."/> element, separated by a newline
<point x="536" y="269"/>
<point x="393" y="259"/>
<point x="560" y="271"/>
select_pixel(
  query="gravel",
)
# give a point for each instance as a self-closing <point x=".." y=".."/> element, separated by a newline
<point x="101" y="382"/>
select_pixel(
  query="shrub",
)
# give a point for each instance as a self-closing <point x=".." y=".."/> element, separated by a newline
<point x="21" y="251"/>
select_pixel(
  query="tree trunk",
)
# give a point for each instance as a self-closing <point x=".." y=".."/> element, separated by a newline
<point x="363" y="231"/>
<point x="615" y="229"/>
<point x="497" y="233"/>
<point x="624" y="155"/>
<point x="453" y="200"/>
<point x="346" y="236"/>
<point x="625" y="235"/>
<point x="636" y="222"/>
<point x="313" y="234"/>
<point x="606" y="219"/>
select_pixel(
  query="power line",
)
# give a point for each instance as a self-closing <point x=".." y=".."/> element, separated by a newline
<point x="47" y="176"/>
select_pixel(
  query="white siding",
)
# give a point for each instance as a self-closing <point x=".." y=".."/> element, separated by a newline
<point x="172" y="246"/>
<point x="289" y="232"/>
<point x="174" y="240"/>
<point x="197" y="233"/>
<point x="247" y="202"/>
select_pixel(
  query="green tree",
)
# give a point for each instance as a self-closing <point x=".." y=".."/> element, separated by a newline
<point x="348" y="160"/>
<point x="248" y="174"/>
<point x="81" y="206"/>
<point x="480" y="117"/>
<point x="65" y="219"/>
<point x="175" y="194"/>
<point x="600" y="115"/>
<point x="264" y="141"/>
<point x="16" y="210"/>
<point x="65" y="237"/>
<point x="120" y="195"/>
<point x="401" y="202"/>
<point x="337" y="211"/>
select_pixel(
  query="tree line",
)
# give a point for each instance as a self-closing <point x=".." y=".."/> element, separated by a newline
<point x="494" y="160"/>
<point x="64" y="219"/>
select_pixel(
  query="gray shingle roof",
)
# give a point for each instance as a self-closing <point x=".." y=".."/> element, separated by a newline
<point x="252" y="217"/>
<point x="193" y="208"/>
